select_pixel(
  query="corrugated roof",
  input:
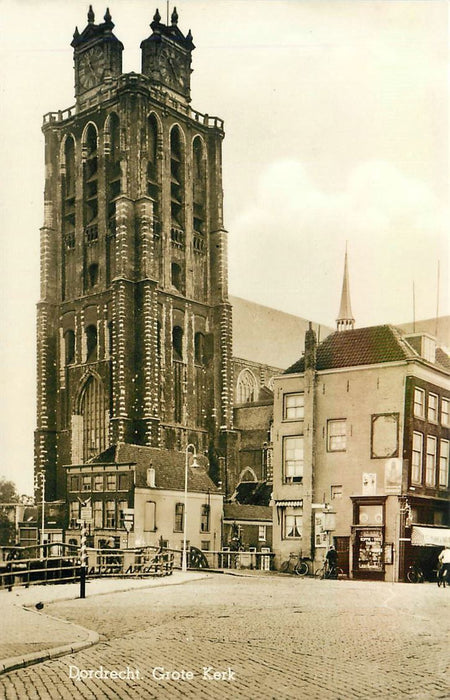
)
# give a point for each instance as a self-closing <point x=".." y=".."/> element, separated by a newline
<point x="235" y="511"/>
<point x="361" y="346"/>
<point x="169" y="466"/>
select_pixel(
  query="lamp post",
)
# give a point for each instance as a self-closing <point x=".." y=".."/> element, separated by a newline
<point x="41" y="485"/>
<point x="186" y="467"/>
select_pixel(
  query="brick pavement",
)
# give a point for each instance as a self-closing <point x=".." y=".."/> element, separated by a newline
<point x="282" y="637"/>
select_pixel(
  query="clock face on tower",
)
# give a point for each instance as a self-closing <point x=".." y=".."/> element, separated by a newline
<point x="91" y="67"/>
<point x="172" y="69"/>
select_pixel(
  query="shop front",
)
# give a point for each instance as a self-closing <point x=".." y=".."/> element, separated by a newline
<point x="368" y="537"/>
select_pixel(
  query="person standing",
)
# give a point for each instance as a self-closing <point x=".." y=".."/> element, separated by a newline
<point x="444" y="564"/>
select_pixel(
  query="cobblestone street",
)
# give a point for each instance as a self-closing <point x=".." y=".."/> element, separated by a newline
<point x="272" y="637"/>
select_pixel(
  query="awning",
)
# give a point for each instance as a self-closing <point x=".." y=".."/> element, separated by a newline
<point x="289" y="504"/>
<point x="430" y="536"/>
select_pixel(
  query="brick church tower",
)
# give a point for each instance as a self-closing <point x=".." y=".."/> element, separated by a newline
<point x="134" y="323"/>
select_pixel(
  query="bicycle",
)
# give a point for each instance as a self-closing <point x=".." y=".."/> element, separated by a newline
<point x="442" y="577"/>
<point x="331" y="572"/>
<point x="414" y="574"/>
<point x="296" y="564"/>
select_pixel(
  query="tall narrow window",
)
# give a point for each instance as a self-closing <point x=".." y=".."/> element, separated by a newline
<point x="91" y="343"/>
<point x="177" y="187"/>
<point x="199" y="195"/>
<point x="153" y="179"/>
<point x="69" y="194"/>
<point x="294" y="406"/>
<point x="177" y="343"/>
<point x="113" y="176"/>
<point x="91" y="185"/>
<point x="110" y="514"/>
<point x="98" y="514"/>
<point x="443" y="463"/>
<point x="419" y="403"/>
<point x="176" y="277"/>
<point x="293" y="458"/>
<point x="430" y="466"/>
<point x="247" y="387"/>
<point x="445" y="411"/>
<point x="204" y="518"/>
<point x="199" y="348"/>
<point x="433" y="403"/>
<point x="416" y="458"/>
<point x="179" y="517"/>
<point x="337" y="435"/>
<point x="69" y="346"/>
<point x="93" y="274"/>
<point x="94" y="418"/>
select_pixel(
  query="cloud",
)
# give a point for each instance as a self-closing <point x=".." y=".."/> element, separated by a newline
<point x="287" y="248"/>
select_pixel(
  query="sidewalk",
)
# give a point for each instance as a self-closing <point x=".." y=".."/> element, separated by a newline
<point x="30" y="636"/>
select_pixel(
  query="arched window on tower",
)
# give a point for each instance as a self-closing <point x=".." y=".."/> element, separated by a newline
<point x="153" y="178"/>
<point x="177" y="343"/>
<point x="91" y="343"/>
<point x="176" y="188"/>
<point x="93" y="411"/>
<point x="177" y="281"/>
<point x="93" y="274"/>
<point x="91" y="184"/>
<point x="69" y="194"/>
<point x="247" y="387"/>
<point x="199" y="348"/>
<point x="199" y="192"/>
<point x="69" y="347"/>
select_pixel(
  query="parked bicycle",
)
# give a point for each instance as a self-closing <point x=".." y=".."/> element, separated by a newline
<point x="414" y="574"/>
<point x="327" y="571"/>
<point x="296" y="564"/>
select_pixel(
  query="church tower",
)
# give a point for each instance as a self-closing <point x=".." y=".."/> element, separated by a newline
<point x="134" y="323"/>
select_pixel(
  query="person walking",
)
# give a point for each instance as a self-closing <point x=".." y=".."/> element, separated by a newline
<point x="332" y="560"/>
<point x="444" y="564"/>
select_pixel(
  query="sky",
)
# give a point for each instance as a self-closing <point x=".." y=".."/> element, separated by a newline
<point x="336" y="121"/>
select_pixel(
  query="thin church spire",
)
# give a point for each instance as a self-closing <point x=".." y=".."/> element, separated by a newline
<point x="345" y="320"/>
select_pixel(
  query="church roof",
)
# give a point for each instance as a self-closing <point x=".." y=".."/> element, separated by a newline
<point x="268" y="336"/>
<point x="236" y="511"/>
<point x="92" y="32"/>
<point x="361" y="346"/>
<point x="169" y="466"/>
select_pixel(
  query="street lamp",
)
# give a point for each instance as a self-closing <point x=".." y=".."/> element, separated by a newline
<point x="186" y="467"/>
<point x="41" y="484"/>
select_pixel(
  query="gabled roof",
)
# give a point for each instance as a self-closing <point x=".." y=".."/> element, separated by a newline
<point x="236" y="511"/>
<point x="252" y="493"/>
<point x="361" y="346"/>
<point x="169" y="466"/>
<point x="366" y="346"/>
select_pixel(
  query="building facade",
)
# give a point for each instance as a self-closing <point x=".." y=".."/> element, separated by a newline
<point x="134" y="323"/>
<point x="361" y="452"/>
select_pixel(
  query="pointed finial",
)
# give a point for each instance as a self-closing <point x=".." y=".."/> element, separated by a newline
<point x="345" y="319"/>
<point x="174" y="16"/>
<point x="157" y="16"/>
<point x="107" y="16"/>
<point x="189" y="36"/>
<point x="76" y="33"/>
<point x="91" y="16"/>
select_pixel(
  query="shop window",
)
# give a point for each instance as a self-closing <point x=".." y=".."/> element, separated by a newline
<point x="419" y="403"/>
<point x="369" y="549"/>
<point x="110" y="514"/>
<point x="150" y="516"/>
<point x="416" y="458"/>
<point x="443" y="463"/>
<point x="294" y="406"/>
<point x="445" y="410"/>
<point x="204" y="518"/>
<point x="177" y="343"/>
<point x="98" y="514"/>
<point x="69" y="346"/>
<point x="293" y="459"/>
<point x="293" y="523"/>
<point x="179" y="517"/>
<point x="337" y="435"/>
<point x="430" y="463"/>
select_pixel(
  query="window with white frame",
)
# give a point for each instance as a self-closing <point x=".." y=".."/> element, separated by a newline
<point x="443" y="463"/>
<point x="111" y="482"/>
<point x="293" y="519"/>
<point x="74" y="513"/>
<point x="293" y="458"/>
<point x="98" y="482"/>
<point x="432" y="408"/>
<point x="445" y="411"/>
<point x="110" y="514"/>
<point x="86" y="483"/>
<point x="337" y="435"/>
<point x="294" y="406"/>
<point x="98" y="514"/>
<point x="430" y="464"/>
<point x="419" y="402"/>
<point x="416" y="458"/>
<point x="262" y="533"/>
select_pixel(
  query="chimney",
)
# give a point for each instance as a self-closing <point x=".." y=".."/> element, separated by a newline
<point x="310" y="348"/>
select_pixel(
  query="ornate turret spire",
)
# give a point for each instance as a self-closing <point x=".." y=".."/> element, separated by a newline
<point x="345" y="320"/>
<point x="91" y="16"/>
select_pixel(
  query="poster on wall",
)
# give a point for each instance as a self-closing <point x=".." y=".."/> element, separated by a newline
<point x="195" y="206"/>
